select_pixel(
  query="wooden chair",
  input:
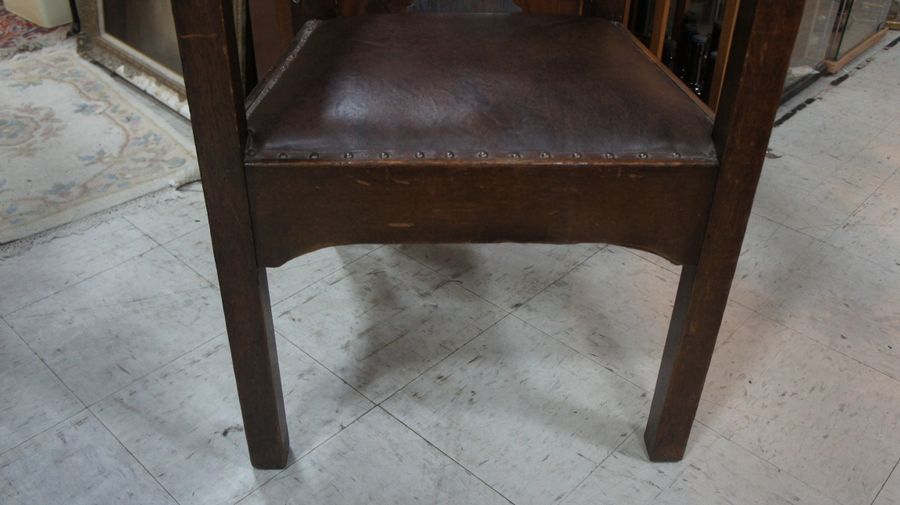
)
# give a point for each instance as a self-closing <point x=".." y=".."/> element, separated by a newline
<point x="477" y="128"/>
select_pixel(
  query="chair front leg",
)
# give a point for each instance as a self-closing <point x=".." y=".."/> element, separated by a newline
<point x="696" y="318"/>
<point x="761" y="51"/>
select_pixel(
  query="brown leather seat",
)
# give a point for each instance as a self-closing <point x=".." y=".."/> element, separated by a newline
<point x="483" y="86"/>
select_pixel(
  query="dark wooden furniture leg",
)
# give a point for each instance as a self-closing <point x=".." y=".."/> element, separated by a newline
<point x="753" y="86"/>
<point x="212" y="79"/>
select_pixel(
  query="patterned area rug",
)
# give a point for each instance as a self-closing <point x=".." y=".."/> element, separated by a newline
<point x="72" y="144"/>
<point x="18" y="34"/>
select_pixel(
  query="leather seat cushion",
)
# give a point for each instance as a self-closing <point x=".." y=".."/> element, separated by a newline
<point x="486" y="86"/>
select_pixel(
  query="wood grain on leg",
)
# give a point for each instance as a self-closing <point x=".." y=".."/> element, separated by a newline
<point x="754" y="81"/>
<point x="212" y="79"/>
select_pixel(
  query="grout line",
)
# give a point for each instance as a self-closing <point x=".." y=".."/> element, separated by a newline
<point x="185" y="264"/>
<point x="894" y="469"/>
<point x="603" y="247"/>
<point x="445" y="358"/>
<point x="865" y="200"/>
<point x="182" y="235"/>
<point x="838" y="351"/>
<point x="520" y="304"/>
<point x="448" y="279"/>
<point x="765" y="461"/>
<point x="841" y="249"/>
<point x="329" y="370"/>
<point x="89" y="277"/>
<point x="46" y="430"/>
<point x="154" y="370"/>
<point x="38" y="356"/>
<point x="304" y="456"/>
<point x="343" y="266"/>
<point x="589" y="357"/>
<point x="611" y="453"/>
<point x="135" y="458"/>
<point x="473" y="474"/>
<point x="327" y="274"/>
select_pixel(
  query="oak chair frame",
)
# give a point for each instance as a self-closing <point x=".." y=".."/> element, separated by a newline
<point x="246" y="202"/>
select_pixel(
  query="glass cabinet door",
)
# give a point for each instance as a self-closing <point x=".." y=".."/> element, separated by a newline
<point x="859" y="20"/>
<point x="813" y="40"/>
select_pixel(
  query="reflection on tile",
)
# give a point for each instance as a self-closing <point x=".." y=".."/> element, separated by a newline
<point x="765" y="264"/>
<point x="169" y="215"/>
<point x="376" y="460"/>
<point x="523" y="412"/>
<point x="76" y="463"/>
<point x="31" y="398"/>
<point x="195" y="250"/>
<point x="714" y="471"/>
<point x="825" y="127"/>
<point x="848" y="304"/>
<point x="184" y="424"/>
<point x="505" y="274"/>
<point x="873" y="232"/>
<point x="103" y="333"/>
<point x="827" y="419"/>
<point x="781" y="184"/>
<point x="63" y="259"/>
<point x="615" y="308"/>
<point x="382" y="321"/>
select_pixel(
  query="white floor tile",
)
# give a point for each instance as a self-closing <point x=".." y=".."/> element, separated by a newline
<point x="506" y="274"/>
<point x="714" y="472"/>
<point x="873" y="232"/>
<point x="382" y="321"/>
<point x="65" y="258"/>
<point x="103" y="333"/>
<point x="76" y="463"/>
<point x="616" y="308"/>
<point x="170" y="214"/>
<point x="869" y="169"/>
<point x="377" y="460"/>
<point x="785" y="183"/>
<point x="890" y="493"/>
<point x="195" y="249"/>
<point x="821" y="131"/>
<point x="184" y="424"/>
<point x="861" y="100"/>
<point x="848" y="304"/>
<point x="32" y="399"/>
<point x="824" y="209"/>
<point x="825" y="418"/>
<point x="523" y="412"/>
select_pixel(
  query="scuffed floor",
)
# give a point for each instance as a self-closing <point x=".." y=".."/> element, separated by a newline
<point x="475" y="374"/>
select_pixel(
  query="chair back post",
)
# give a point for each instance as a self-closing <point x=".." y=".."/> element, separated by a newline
<point x="760" y="54"/>
<point x="754" y="81"/>
<point x="272" y="25"/>
<point x="209" y="57"/>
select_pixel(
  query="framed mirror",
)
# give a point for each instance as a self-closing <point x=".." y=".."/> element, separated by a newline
<point x="136" y="40"/>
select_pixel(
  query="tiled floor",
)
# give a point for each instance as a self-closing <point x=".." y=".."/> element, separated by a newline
<point x="474" y="374"/>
